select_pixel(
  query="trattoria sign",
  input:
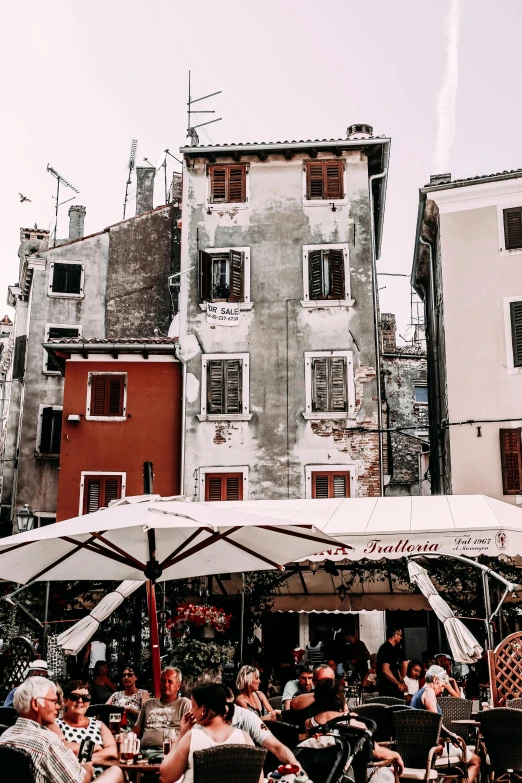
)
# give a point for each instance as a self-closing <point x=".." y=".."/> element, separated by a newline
<point x="472" y="544"/>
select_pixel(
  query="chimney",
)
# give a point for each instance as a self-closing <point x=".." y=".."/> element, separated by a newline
<point x="388" y="332"/>
<point x="76" y="221"/>
<point x="440" y="179"/>
<point x="360" y="130"/>
<point x="144" y="189"/>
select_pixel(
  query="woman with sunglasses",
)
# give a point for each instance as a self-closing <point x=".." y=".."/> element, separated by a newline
<point x="131" y="697"/>
<point x="74" y="725"/>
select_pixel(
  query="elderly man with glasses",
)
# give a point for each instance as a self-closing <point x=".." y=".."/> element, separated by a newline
<point x="38" y="706"/>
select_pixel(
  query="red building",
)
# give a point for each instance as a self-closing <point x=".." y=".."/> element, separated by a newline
<point x="121" y="408"/>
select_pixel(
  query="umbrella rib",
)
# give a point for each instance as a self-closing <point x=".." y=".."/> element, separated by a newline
<point x="302" y="535"/>
<point x="67" y="555"/>
<point x="257" y="555"/>
<point x="198" y="547"/>
<point x="98" y="550"/>
<point x="129" y="559"/>
<point x="182" y="546"/>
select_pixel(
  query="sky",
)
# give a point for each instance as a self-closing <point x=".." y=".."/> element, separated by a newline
<point x="80" y="80"/>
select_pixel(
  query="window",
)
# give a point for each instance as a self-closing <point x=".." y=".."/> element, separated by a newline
<point x="49" y="431"/>
<point x="511" y="460"/>
<point x="515" y="309"/>
<point x="66" y="279"/>
<point x="331" y="485"/>
<point x="223" y="483"/>
<point x="57" y="332"/>
<point x="44" y="518"/>
<point x="98" y="490"/>
<point x="421" y="394"/>
<point x="228" y="184"/>
<point x="324" y="179"/>
<point x="326" y="276"/>
<point x="513" y="228"/>
<point x="224" y="275"/>
<point x="225" y="387"/>
<point x="106" y="396"/>
<point x="329" y="385"/>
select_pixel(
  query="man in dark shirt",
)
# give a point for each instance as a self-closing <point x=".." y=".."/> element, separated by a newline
<point x="388" y="668"/>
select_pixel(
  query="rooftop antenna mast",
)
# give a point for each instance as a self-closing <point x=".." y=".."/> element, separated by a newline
<point x="59" y="179"/>
<point x="162" y="164"/>
<point x="191" y="129"/>
<point x="130" y="166"/>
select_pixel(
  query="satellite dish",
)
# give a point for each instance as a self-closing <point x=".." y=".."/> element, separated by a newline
<point x="161" y="160"/>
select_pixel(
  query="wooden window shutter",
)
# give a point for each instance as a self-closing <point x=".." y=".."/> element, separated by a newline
<point x="320" y="384"/>
<point x="107" y="395"/>
<point x="511" y="460"/>
<point x="56" y="435"/>
<point x="331" y="484"/>
<point x="74" y="278"/>
<point x="237" y="263"/>
<point x="340" y="483"/>
<point x="59" y="283"/>
<point x="223" y="486"/>
<point x="98" y="395"/>
<point x="99" y="491"/>
<point x="112" y="489"/>
<point x="315" y="183"/>
<point x="336" y="267"/>
<point x="115" y="396"/>
<point x="516" y="332"/>
<point x="46" y="430"/>
<point x="218" y="183"/>
<point x="236" y="184"/>
<point x="513" y="228"/>
<point x="93" y="493"/>
<point x="320" y="485"/>
<point x="205" y="275"/>
<point x="215" y="386"/>
<point x="338" y="391"/>
<point x="315" y="274"/>
<point x="233" y="391"/>
<point x="333" y="176"/>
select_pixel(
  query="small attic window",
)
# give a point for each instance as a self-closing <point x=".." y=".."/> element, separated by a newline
<point x="27" y="236"/>
<point x="39" y="236"/>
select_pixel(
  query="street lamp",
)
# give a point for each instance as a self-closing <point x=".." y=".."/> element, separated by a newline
<point x="25" y="519"/>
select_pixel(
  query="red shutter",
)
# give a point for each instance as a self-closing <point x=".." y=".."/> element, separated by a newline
<point x="227" y="184"/>
<point x="237" y="184"/>
<point x="331" y="484"/>
<point x="218" y="183"/>
<point x="98" y="395"/>
<point x="107" y="395"/>
<point x="115" y="395"/>
<point x="511" y="460"/>
<point x="315" y="180"/>
<point x="99" y="491"/>
<point x="223" y="486"/>
<point x="333" y="175"/>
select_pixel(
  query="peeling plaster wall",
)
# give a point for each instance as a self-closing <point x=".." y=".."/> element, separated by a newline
<point x="278" y="442"/>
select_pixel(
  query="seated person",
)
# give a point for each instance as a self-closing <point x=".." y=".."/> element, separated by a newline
<point x="451" y="687"/>
<point x="306" y="700"/>
<point x="75" y="726"/>
<point x="163" y="713"/>
<point x="102" y="685"/>
<point x="426" y="699"/>
<point x="250" y="697"/>
<point x="131" y="698"/>
<point x="411" y="678"/>
<point x="303" y="684"/>
<point x="38" y="706"/>
<point x="210" y="710"/>
<point x="369" y="683"/>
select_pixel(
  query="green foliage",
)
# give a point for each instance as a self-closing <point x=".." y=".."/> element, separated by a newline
<point x="196" y="658"/>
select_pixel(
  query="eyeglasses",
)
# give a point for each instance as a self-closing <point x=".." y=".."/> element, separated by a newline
<point x="79" y="697"/>
<point x="127" y="674"/>
<point x="46" y="698"/>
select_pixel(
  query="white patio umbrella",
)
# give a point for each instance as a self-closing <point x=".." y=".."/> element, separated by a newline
<point x="153" y="538"/>
<point x="74" y="638"/>
<point x="464" y="646"/>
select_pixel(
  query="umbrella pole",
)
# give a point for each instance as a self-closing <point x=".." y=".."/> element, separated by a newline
<point x="154" y="638"/>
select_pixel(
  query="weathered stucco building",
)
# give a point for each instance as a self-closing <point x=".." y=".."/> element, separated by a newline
<point x="278" y="317"/>
<point x="104" y="286"/>
<point x="466" y="267"/>
<point x="405" y="395"/>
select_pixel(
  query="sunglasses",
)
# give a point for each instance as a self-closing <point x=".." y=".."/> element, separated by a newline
<point x="128" y="674"/>
<point x="79" y="697"/>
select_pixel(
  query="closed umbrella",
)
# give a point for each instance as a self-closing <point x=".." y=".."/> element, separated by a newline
<point x="149" y="538"/>
<point x="464" y="646"/>
<point x="74" y="638"/>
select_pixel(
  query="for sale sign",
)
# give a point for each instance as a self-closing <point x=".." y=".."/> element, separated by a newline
<point x="223" y="313"/>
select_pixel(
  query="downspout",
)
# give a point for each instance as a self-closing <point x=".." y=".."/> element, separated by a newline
<point x="177" y="354"/>
<point x="376" y="326"/>
<point x="436" y="367"/>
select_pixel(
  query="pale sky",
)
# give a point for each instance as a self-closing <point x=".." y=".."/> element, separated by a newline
<point x="80" y="80"/>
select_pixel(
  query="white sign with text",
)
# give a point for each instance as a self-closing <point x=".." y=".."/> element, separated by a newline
<point x="223" y="313"/>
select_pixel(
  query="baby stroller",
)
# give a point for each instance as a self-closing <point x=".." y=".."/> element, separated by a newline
<point x="344" y="754"/>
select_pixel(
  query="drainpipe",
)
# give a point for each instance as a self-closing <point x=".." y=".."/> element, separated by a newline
<point x="376" y="327"/>
<point x="435" y="428"/>
<point x="177" y="354"/>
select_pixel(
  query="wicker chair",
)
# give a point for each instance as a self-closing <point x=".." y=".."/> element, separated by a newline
<point x="16" y="765"/>
<point x="502" y="732"/>
<point x="385" y="700"/>
<point x="456" y="709"/>
<point x="514" y="704"/>
<point x="286" y="733"/>
<point x="416" y="735"/>
<point x="379" y="713"/>
<point x="229" y="764"/>
<point x="8" y="716"/>
<point x="276" y="702"/>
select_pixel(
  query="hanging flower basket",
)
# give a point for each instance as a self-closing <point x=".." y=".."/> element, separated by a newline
<point x="200" y="621"/>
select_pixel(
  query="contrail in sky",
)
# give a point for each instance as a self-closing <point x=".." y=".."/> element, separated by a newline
<point x="447" y="98"/>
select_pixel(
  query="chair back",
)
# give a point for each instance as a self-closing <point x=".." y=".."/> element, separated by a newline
<point x="229" y="764"/>
<point x="385" y="700"/>
<point x="514" y="704"/>
<point x="325" y="765"/>
<point x="416" y="732"/>
<point x="103" y="711"/>
<point x="286" y="733"/>
<point x="16" y="765"/>
<point x="456" y="709"/>
<point x="502" y="729"/>
<point x="379" y="713"/>
<point x="276" y="702"/>
<point x="8" y="716"/>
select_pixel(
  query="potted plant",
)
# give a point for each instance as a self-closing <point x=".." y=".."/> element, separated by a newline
<point x="195" y="651"/>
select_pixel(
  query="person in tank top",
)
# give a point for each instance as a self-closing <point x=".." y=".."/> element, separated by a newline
<point x="211" y="711"/>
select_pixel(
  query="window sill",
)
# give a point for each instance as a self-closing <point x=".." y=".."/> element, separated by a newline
<point x="105" y="418"/>
<point x="224" y="417"/>
<point x="516" y="251"/>
<point x="59" y="295"/>
<point x="320" y="415"/>
<point x="320" y="304"/>
<point x="226" y="207"/>
<point x="325" y="202"/>
<point x="242" y="305"/>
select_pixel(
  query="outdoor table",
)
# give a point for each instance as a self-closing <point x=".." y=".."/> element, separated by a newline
<point x="468" y="722"/>
<point x="136" y="770"/>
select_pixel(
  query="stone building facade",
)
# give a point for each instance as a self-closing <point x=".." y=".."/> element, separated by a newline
<point x="277" y="318"/>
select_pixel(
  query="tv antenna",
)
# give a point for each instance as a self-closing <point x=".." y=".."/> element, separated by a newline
<point x="162" y="164"/>
<point x="59" y="179"/>
<point x="130" y="167"/>
<point x="191" y="129"/>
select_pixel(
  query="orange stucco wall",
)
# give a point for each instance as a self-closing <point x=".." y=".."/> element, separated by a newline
<point x="151" y="432"/>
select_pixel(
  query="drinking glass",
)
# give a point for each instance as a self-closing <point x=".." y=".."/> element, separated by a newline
<point x="114" y="722"/>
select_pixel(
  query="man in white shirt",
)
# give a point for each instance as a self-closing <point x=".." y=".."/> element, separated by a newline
<point x="303" y="684"/>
